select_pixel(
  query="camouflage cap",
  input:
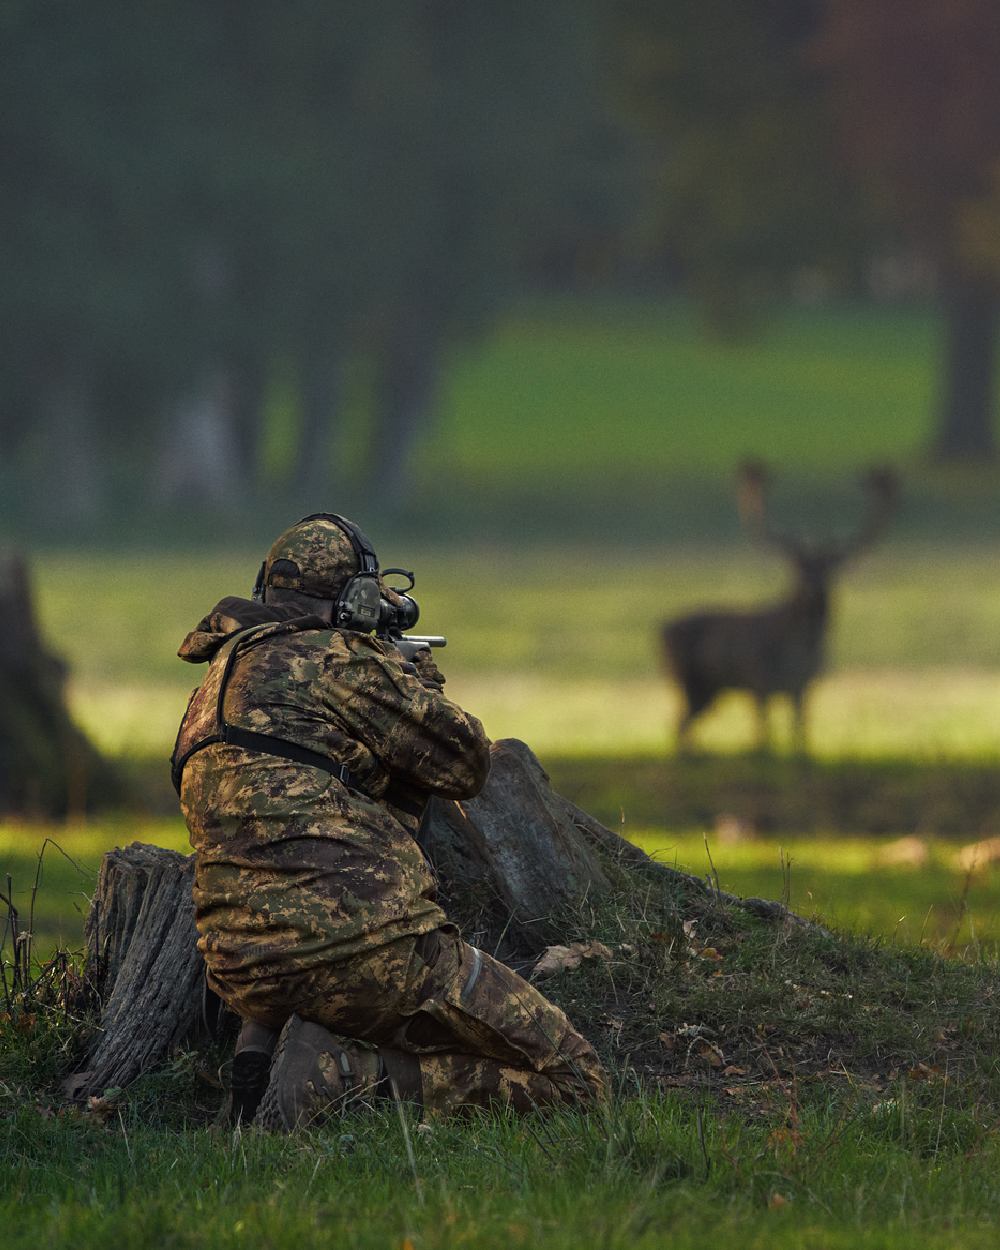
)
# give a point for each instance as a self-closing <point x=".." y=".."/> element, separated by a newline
<point x="314" y="557"/>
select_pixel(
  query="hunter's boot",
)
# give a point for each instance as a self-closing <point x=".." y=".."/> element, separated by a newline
<point x="255" y="1047"/>
<point x="316" y="1075"/>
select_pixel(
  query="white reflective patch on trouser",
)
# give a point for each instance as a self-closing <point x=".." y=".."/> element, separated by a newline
<point x="473" y="977"/>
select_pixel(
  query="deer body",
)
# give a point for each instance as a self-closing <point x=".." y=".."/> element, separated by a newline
<point x="778" y="649"/>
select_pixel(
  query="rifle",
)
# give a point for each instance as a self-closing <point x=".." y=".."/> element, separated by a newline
<point x="408" y="645"/>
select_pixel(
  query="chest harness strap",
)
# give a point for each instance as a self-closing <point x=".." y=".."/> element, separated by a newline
<point x="233" y="735"/>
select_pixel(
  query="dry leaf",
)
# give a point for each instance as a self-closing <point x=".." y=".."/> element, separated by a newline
<point x="732" y="1070"/>
<point x="781" y="1137"/>
<point x="668" y="1041"/>
<point x="564" y="958"/>
<point x="925" y="1072"/>
<point x="709" y="952"/>
<point x="708" y="1051"/>
<point x="695" y="1030"/>
<point x="777" y="1201"/>
<point x="556" y="959"/>
<point x="102" y="1109"/>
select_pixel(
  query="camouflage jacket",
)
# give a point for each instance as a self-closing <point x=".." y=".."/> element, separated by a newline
<point x="292" y="869"/>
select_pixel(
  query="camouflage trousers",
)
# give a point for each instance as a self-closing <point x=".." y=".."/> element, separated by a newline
<point x="481" y="1034"/>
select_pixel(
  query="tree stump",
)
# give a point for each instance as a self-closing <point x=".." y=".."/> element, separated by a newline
<point x="143" y="964"/>
<point x="511" y="864"/>
<point x="512" y="860"/>
<point x="47" y="766"/>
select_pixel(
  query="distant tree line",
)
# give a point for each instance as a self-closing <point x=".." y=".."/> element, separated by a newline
<point x="203" y="203"/>
<point x="210" y="211"/>
<point x="823" y="135"/>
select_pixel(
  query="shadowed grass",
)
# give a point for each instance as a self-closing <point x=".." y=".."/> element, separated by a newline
<point x="844" y="880"/>
<point x="931" y="797"/>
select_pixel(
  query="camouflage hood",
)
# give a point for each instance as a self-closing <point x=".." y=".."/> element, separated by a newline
<point x="232" y="614"/>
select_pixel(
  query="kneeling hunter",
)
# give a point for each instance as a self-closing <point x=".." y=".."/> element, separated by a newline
<point x="304" y="762"/>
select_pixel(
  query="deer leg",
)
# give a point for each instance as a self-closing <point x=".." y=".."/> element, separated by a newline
<point x="684" y="723"/>
<point x="696" y="699"/>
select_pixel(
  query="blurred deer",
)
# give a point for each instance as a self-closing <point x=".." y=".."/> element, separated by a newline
<point x="777" y="649"/>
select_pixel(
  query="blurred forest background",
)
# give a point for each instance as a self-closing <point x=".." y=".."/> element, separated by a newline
<point x="516" y="286"/>
<point x="479" y="266"/>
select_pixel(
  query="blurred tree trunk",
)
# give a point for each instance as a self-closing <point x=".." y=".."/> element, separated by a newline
<point x="314" y="476"/>
<point x="73" y="483"/>
<point x="247" y="390"/>
<point x="47" y="766"/>
<point x="199" y="461"/>
<point x="966" y="418"/>
<point x="407" y="389"/>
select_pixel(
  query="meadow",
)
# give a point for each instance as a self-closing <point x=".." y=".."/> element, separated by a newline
<point x="574" y="495"/>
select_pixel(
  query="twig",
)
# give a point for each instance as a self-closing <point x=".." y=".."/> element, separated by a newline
<point x="14" y="934"/>
<point x="3" y="944"/>
<point x="128" y="1148"/>
<point x="963" y="907"/>
<point x="699" y="1120"/>
<point x="711" y="864"/>
<point x="406" y="1139"/>
<point x="786" y="880"/>
<point x="944" y="1091"/>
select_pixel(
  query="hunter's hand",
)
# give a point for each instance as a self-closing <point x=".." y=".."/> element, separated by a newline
<point x="427" y="670"/>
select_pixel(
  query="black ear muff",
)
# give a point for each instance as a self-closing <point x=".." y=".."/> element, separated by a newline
<point x="359" y="605"/>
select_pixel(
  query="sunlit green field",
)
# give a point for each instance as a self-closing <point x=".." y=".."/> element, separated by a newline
<point x="639" y="388"/>
<point x="561" y="649"/>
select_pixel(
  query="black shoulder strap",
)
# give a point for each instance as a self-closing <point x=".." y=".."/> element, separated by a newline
<point x="233" y="735"/>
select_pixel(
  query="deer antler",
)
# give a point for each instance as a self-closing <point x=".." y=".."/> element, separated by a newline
<point x="752" y="478"/>
<point x="881" y="485"/>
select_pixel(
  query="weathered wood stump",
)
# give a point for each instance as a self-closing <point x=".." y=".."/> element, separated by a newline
<point x="512" y="864"/>
<point x="142" y="962"/>
<point x="47" y="765"/>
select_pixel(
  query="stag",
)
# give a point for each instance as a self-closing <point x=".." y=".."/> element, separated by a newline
<point x="777" y="649"/>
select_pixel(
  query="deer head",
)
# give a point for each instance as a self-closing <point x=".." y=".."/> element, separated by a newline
<point x="816" y="563"/>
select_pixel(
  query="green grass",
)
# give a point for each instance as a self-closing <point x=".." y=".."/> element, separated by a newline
<point x="640" y="388"/>
<point x="620" y="421"/>
<point x="623" y="421"/>
<point x="912" y="1174"/>
<point x="854" y="884"/>
<point x="857" y="1107"/>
